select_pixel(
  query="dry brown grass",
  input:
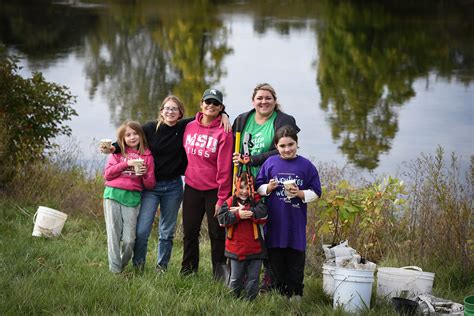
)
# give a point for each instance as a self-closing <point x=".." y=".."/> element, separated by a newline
<point x="59" y="182"/>
<point x="434" y="230"/>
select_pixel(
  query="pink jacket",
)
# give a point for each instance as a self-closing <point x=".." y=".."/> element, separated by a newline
<point x="118" y="174"/>
<point x="209" y="152"/>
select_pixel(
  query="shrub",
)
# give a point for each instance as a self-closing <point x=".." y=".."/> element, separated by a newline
<point x="31" y="115"/>
<point x="364" y="215"/>
<point x="432" y="230"/>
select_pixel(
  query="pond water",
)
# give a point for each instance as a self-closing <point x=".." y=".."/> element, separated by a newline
<point x="370" y="84"/>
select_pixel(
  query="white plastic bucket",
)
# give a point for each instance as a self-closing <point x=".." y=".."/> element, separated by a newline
<point x="391" y="282"/>
<point x="48" y="222"/>
<point x="328" y="279"/>
<point x="352" y="289"/>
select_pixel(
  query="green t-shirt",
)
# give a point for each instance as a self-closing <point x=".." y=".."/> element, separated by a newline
<point x="125" y="197"/>
<point x="262" y="137"/>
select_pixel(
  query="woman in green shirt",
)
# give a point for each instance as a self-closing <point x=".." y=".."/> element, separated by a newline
<point x="261" y="123"/>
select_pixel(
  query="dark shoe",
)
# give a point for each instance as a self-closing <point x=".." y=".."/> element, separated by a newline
<point x="159" y="269"/>
<point x="186" y="271"/>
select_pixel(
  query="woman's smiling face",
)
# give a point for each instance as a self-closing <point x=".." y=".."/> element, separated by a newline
<point x="264" y="103"/>
<point x="211" y="108"/>
<point x="170" y="113"/>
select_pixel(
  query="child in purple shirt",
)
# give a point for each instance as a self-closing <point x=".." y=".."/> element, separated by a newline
<point x="286" y="224"/>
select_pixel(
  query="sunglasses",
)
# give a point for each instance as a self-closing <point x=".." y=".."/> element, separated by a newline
<point x="212" y="101"/>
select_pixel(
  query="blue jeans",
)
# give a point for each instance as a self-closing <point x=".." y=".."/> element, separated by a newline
<point x="167" y="194"/>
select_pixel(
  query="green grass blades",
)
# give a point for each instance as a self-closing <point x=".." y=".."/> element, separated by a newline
<point x="69" y="274"/>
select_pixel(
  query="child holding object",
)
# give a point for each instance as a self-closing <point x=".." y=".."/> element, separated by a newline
<point x="286" y="225"/>
<point x="126" y="174"/>
<point x="243" y="215"/>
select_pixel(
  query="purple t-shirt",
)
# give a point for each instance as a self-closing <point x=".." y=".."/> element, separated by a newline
<point x="286" y="224"/>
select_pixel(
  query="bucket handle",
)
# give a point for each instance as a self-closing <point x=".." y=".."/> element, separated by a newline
<point x="341" y="283"/>
<point x="416" y="269"/>
<point x="34" y="217"/>
<point x="413" y="268"/>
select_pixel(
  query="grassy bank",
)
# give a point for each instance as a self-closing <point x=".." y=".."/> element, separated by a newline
<point x="69" y="275"/>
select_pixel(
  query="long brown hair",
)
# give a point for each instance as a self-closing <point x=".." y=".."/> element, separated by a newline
<point x="174" y="99"/>
<point x="267" y="87"/>
<point x="142" y="146"/>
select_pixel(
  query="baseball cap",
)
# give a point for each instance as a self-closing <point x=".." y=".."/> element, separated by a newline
<point x="212" y="94"/>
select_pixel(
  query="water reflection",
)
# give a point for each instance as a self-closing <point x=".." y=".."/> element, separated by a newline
<point x="369" y="57"/>
<point x="137" y="58"/>
<point x="43" y="31"/>
<point x="368" y="54"/>
<point x="125" y="64"/>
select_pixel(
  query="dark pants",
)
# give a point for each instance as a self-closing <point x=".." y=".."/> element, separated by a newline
<point x="196" y="203"/>
<point x="287" y="268"/>
<point x="241" y="269"/>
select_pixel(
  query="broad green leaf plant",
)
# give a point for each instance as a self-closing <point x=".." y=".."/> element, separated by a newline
<point x="364" y="216"/>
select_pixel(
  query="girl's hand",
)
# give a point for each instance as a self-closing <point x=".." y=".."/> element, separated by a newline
<point x="226" y="123"/>
<point x="235" y="209"/>
<point x="245" y="214"/>
<point x="106" y="150"/>
<point x="142" y="170"/>
<point x="272" y="185"/>
<point x="293" y="191"/>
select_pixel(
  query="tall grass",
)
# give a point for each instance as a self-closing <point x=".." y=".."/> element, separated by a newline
<point x="439" y="220"/>
<point x="434" y="229"/>
<point x="60" y="181"/>
<point x="69" y="274"/>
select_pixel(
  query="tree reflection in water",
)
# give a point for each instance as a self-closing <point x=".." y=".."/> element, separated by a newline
<point x="369" y="54"/>
<point x="139" y="56"/>
<point x="369" y="57"/>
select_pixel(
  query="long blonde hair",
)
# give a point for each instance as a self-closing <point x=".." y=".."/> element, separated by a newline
<point x="174" y="99"/>
<point x="267" y="87"/>
<point x="142" y="146"/>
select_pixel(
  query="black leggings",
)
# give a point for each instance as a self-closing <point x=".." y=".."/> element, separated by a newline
<point x="287" y="270"/>
<point x="196" y="203"/>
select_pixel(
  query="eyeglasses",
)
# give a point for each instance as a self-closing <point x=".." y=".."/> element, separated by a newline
<point x="212" y="101"/>
<point x="167" y="109"/>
